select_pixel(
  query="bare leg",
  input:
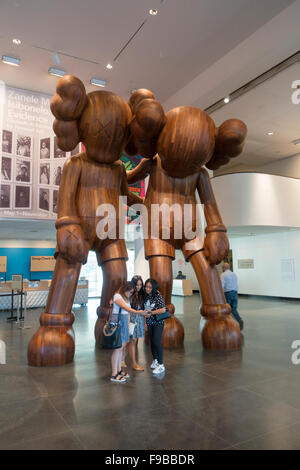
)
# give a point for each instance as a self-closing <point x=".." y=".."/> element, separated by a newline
<point x="114" y="275"/>
<point x="161" y="270"/>
<point x="53" y="343"/>
<point x="132" y="354"/>
<point x="220" y="332"/>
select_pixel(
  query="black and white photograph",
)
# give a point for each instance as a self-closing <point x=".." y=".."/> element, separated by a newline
<point x="44" y="199"/>
<point x="6" y="141"/>
<point x="5" y="199"/>
<point x="54" y="205"/>
<point x="45" y="173"/>
<point x="58" y="153"/>
<point x="6" y="169"/>
<point x="45" y="148"/>
<point x="24" y="145"/>
<point x="22" y="197"/>
<point x="57" y="173"/>
<point x="75" y="151"/>
<point x="23" y="170"/>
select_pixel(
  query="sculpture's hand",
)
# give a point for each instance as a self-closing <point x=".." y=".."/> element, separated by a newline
<point x="216" y="247"/>
<point x="71" y="243"/>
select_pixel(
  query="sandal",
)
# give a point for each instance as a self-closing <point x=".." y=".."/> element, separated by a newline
<point x="138" y="367"/>
<point x="124" y="365"/>
<point x="124" y="374"/>
<point x="118" y="378"/>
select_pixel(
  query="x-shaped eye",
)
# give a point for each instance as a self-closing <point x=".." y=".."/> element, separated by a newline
<point x="71" y="234"/>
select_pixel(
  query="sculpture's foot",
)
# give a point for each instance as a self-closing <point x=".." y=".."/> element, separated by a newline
<point x="221" y="332"/>
<point x="103" y="314"/>
<point x="173" y="335"/>
<point x="53" y="343"/>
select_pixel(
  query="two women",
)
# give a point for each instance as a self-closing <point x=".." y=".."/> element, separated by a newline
<point x="141" y="303"/>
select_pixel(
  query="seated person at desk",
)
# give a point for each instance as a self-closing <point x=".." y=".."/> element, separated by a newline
<point x="180" y="275"/>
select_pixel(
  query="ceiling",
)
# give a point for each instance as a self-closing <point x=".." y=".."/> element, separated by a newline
<point x="183" y="40"/>
<point x="266" y="108"/>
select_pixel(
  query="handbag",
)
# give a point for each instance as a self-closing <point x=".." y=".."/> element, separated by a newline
<point x="131" y="328"/>
<point x="111" y="337"/>
<point x="162" y="316"/>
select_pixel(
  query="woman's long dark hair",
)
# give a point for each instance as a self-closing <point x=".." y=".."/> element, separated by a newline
<point x="154" y="285"/>
<point x="125" y="288"/>
<point x="137" y="300"/>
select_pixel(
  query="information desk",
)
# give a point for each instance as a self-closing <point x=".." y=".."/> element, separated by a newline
<point x="182" y="287"/>
<point x="37" y="293"/>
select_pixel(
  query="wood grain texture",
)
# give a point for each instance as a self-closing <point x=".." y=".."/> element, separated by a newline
<point x="188" y="140"/>
<point x="101" y="121"/>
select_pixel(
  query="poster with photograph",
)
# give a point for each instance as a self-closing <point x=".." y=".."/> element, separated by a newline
<point x="44" y="199"/>
<point x="7" y="139"/>
<point x="45" y="148"/>
<point x="5" y="196"/>
<point x="23" y="170"/>
<point x="57" y="172"/>
<point x="44" y="173"/>
<point x="54" y="204"/>
<point x="24" y="145"/>
<point x="22" y="197"/>
<point x="58" y="153"/>
<point x="75" y="151"/>
<point x="6" y="169"/>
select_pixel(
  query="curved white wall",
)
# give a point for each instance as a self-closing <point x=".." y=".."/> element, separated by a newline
<point x="258" y="199"/>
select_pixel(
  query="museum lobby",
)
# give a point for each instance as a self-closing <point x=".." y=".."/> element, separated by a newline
<point x="234" y="59"/>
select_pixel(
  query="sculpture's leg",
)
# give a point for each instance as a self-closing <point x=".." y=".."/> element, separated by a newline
<point x="114" y="275"/>
<point x="161" y="270"/>
<point x="53" y="343"/>
<point x="220" y="332"/>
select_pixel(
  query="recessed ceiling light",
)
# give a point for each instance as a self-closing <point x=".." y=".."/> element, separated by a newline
<point x="153" y="12"/>
<point x="57" y="72"/>
<point x="227" y="99"/>
<point x="98" y="82"/>
<point x="270" y="133"/>
<point x="16" y="41"/>
<point x="109" y="66"/>
<point x="6" y="59"/>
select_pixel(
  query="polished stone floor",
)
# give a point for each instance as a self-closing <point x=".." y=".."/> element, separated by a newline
<point x="241" y="400"/>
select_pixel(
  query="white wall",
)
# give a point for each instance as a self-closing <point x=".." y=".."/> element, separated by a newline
<point x="267" y="250"/>
<point x="27" y="244"/>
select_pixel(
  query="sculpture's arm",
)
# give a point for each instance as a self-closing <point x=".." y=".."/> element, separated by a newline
<point x="70" y="238"/>
<point x="216" y="244"/>
<point x="131" y="197"/>
<point x="140" y="171"/>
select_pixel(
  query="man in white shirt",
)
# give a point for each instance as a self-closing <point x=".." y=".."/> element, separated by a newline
<point x="230" y="287"/>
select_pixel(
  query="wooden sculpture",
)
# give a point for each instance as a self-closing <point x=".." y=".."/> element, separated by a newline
<point x="179" y="145"/>
<point x="101" y="121"/>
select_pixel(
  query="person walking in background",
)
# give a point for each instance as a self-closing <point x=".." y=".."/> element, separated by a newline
<point x="155" y="304"/>
<point x="121" y="305"/>
<point x="230" y="286"/>
<point x="137" y="303"/>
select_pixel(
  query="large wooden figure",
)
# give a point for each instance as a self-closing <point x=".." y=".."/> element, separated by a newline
<point x="180" y="144"/>
<point x="101" y="121"/>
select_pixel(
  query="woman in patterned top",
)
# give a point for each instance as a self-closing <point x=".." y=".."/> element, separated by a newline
<point x="137" y="303"/>
<point x="155" y="304"/>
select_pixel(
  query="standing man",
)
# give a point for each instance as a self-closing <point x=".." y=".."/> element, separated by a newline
<point x="230" y="287"/>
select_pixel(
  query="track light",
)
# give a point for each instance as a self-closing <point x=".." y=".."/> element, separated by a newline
<point x="98" y="82"/>
<point x="6" y="59"/>
<point x="57" y="72"/>
<point x="227" y="99"/>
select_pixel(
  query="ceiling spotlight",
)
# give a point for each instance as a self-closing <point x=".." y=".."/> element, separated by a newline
<point x="57" y="72"/>
<point x="6" y="59"/>
<point x="227" y="99"/>
<point x="16" y="41"/>
<point x="109" y="66"/>
<point x="270" y="133"/>
<point x="153" y="12"/>
<point x="98" y="82"/>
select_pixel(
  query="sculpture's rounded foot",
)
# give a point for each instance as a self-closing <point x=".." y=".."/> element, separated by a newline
<point x="221" y="333"/>
<point x="103" y="314"/>
<point x="173" y="335"/>
<point x="53" y="343"/>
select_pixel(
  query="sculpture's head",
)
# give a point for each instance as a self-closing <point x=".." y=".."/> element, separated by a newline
<point x="185" y="139"/>
<point x="100" y="120"/>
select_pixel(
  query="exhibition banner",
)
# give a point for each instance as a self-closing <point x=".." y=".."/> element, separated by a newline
<point x="31" y="163"/>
